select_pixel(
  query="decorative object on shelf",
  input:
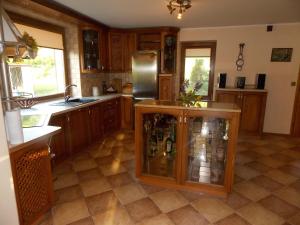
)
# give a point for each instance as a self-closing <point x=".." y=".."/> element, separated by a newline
<point x="190" y="98"/>
<point x="281" y="55"/>
<point x="240" y="61"/>
<point x="240" y="82"/>
<point x="181" y="5"/>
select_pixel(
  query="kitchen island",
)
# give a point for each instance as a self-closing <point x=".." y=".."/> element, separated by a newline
<point x="186" y="147"/>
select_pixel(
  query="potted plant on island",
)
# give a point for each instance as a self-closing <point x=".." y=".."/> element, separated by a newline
<point x="190" y="97"/>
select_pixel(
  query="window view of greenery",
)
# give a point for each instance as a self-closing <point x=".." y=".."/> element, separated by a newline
<point x="197" y="69"/>
<point x="44" y="75"/>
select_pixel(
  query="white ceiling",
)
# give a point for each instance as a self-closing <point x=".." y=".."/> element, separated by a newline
<point x="204" y="13"/>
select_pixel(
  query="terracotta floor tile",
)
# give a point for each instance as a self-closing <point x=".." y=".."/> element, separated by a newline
<point x="279" y="207"/>
<point x="95" y="186"/>
<point x="235" y="200"/>
<point x="129" y="164"/>
<point x="256" y="214"/>
<point x="292" y="153"/>
<point x="112" y="168"/>
<point x="237" y="179"/>
<point x="191" y="196"/>
<point x="289" y="195"/>
<point x="120" y="179"/>
<point x="84" y="164"/>
<point x="142" y="209"/>
<point x="161" y="219"/>
<point x="296" y="185"/>
<point x="212" y="209"/>
<point x="269" y="161"/>
<point x="85" y="221"/>
<point x="129" y="193"/>
<point x="64" y="167"/>
<point x="246" y="172"/>
<point x="258" y="166"/>
<point x="251" y="154"/>
<point x="281" y="177"/>
<point x="168" y="200"/>
<point x="65" y="180"/>
<point x="242" y="159"/>
<point x="267" y="183"/>
<point x="102" y="202"/>
<point x="105" y="160"/>
<point x="282" y="157"/>
<point x="70" y="212"/>
<point x="295" y="220"/>
<point x="233" y="219"/>
<point x="251" y="191"/>
<point x="151" y="189"/>
<point x="68" y="194"/>
<point x="100" y="152"/>
<point x="292" y="170"/>
<point x="117" y="216"/>
<point x="187" y="215"/>
<point x="81" y="156"/>
<point x="89" y="174"/>
<point x="295" y="163"/>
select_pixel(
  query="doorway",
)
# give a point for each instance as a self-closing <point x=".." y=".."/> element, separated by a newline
<point x="295" y="126"/>
<point x="197" y="65"/>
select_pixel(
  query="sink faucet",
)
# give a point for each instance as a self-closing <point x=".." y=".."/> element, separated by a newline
<point x="66" y="96"/>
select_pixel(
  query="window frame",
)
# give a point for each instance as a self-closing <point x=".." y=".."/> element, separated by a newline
<point x="212" y="45"/>
<point x="28" y="21"/>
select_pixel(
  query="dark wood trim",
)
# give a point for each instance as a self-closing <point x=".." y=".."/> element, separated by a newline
<point x="275" y="134"/>
<point x="293" y="131"/>
<point x="68" y="11"/>
<point x="200" y="44"/>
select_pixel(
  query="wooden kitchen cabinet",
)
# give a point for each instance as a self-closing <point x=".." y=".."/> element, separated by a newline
<point x="93" y="52"/>
<point x="111" y="115"/>
<point x="31" y="170"/>
<point x="252" y="104"/>
<point x="116" y="51"/>
<point x="127" y="112"/>
<point x="96" y="122"/>
<point x="130" y="46"/>
<point x="59" y="142"/>
<point x="165" y="87"/>
<point x="78" y="129"/>
<point x="186" y="148"/>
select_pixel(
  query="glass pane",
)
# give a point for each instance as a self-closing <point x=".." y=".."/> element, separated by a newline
<point x="44" y="75"/>
<point x="170" y="53"/>
<point x="159" y="146"/>
<point x="207" y="149"/>
<point x="91" y="49"/>
<point x="197" y="68"/>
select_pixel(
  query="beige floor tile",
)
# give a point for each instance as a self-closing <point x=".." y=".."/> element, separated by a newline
<point x="120" y="179"/>
<point x="85" y="221"/>
<point x="255" y="214"/>
<point x="267" y="183"/>
<point x="70" y="212"/>
<point x="235" y="200"/>
<point x="129" y="193"/>
<point x="292" y="153"/>
<point x="89" y="174"/>
<point x="295" y="220"/>
<point x="212" y="209"/>
<point x="280" y="177"/>
<point x="246" y="172"/>
<point x="65" y="180"/>
<point x="117" y="216"/>
<point x="251" y="191"/>
<point x="112" y="169"/>
<point x="68" y="194"/>
<point x="95" y="186"/>
<point x="161" y="219"/>
<point x="289" y="195"/>
<point x="84" y="164"/>
<point x="232" y="220"/>
<point x="65" y="167"/>
<point x="101" y="152"/>
<point x="269" y="161"/>
<point x="295" y="163"/>
<point x="264" y="150"/>
<point x="168" y="200"/>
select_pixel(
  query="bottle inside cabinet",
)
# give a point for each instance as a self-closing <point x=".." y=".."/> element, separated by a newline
<point x="207" y="144"/>
<point x="90" y="49"/>
<point x="159" y="147"/>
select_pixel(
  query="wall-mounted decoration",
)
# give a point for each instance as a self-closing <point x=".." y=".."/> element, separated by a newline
<point x="281" y="54"/>
<point x="240" y="61"/>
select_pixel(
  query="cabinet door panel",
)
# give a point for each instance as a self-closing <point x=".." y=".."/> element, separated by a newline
<point x="228" y="97"/>
<point x="129" y="49"/>
<point x="96" y="122"/>
<point x="127" y="112"/>
<point x="116" y="52"/>
<point x="165" y="88"/>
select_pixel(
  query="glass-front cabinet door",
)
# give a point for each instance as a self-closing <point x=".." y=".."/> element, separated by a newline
<point x="159" y="155"/>
<point x="206" y="149"/>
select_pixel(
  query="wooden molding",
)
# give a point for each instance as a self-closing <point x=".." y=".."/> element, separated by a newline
<point x="293" y="130"/>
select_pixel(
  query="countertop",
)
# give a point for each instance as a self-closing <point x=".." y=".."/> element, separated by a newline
<point x="205" y="106"/>
<point x="40" y="114"/>
<point x="239" y="89"/>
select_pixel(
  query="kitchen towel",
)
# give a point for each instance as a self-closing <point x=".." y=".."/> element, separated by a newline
<point x="14" y="126"/>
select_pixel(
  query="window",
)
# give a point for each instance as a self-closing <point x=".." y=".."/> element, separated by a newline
<point x="197" y="65"/>
<point x="44" y="75"/>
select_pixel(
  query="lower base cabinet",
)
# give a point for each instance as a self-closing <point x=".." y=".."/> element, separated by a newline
<point x="186" y="149"/>
<point x="31" y="169"/>
<point x="127" y="112"/>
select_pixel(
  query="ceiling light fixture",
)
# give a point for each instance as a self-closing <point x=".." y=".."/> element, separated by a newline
<point x="181" y="5"/>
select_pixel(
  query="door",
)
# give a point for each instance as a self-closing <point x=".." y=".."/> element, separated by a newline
<point x="158" y="136"/>
<point x="295" y="128"/>
<point x="207" y="147"/>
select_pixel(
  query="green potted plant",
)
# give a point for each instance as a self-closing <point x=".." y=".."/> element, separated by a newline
<point x="190" y="97"/>
<point x="31" y="44"/>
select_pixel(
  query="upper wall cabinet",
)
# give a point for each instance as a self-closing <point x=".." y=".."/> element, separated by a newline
<point x="93" y="52"/>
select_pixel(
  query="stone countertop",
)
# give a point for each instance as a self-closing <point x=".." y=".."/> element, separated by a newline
<point x="205" y="106"/>
<point x="239" y="89"/>
<point x="34" y="135"/>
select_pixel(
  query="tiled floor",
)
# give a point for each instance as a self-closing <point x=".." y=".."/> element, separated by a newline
<point x="98" y="187"/>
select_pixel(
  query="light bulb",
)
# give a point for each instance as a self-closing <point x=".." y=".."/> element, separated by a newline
<point x="179" y="16"/>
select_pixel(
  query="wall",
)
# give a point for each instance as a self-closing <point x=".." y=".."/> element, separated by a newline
<point x="257" y="54"/>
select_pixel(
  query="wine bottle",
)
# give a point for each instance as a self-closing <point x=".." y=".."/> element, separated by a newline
<point x="169" y="144"/>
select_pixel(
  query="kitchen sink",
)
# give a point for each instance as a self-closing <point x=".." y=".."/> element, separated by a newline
<point x="73" y="102"/>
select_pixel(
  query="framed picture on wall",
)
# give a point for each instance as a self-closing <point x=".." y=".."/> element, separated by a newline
<point x="281" y="54"/>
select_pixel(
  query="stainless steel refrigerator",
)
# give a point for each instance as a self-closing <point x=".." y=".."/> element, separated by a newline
<point x="145" y="75"/>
